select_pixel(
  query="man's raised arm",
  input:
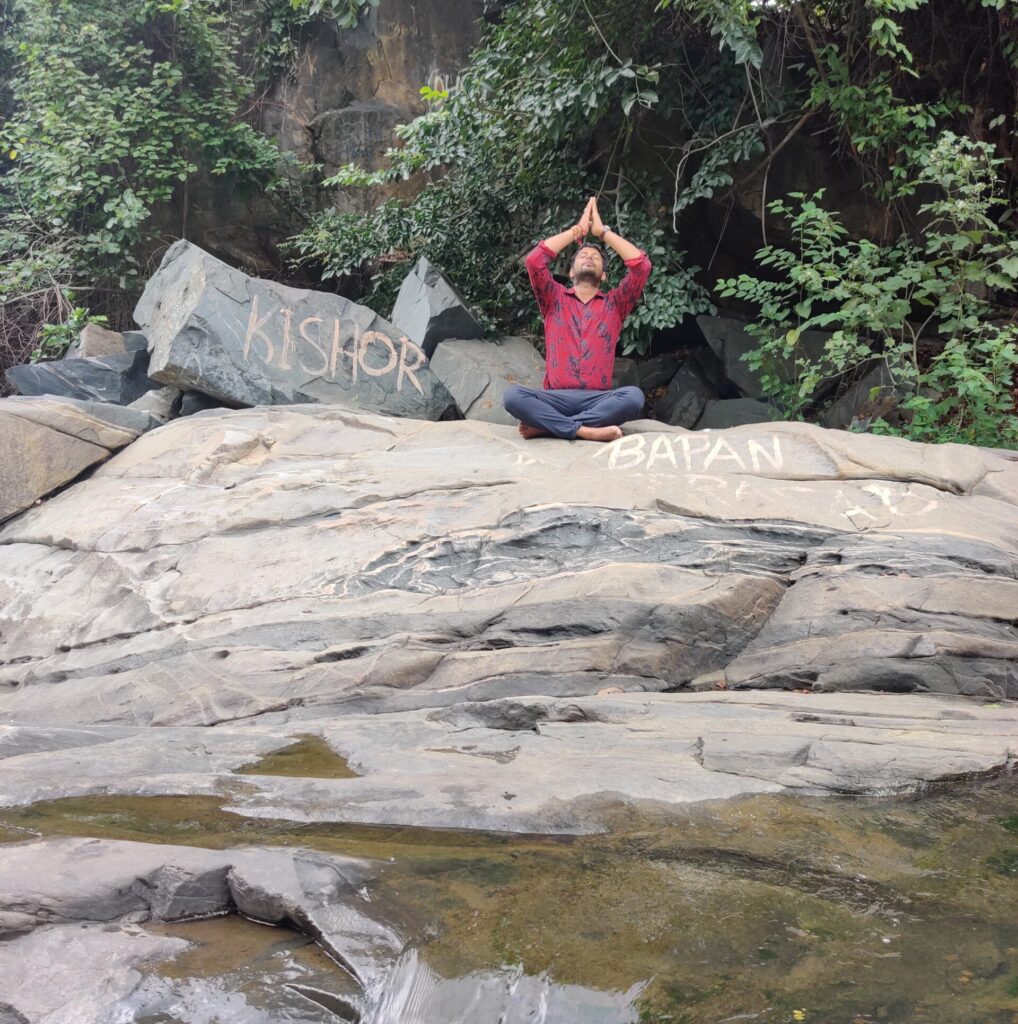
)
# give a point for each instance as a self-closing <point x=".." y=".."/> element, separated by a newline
<point x="543" y="253"/>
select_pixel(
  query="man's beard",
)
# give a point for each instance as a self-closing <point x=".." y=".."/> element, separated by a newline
<point x="586" y="275"/>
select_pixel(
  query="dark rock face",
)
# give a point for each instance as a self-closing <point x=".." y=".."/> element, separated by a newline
<point x="729" y="341"/>
<point x="249" y="342"/>
<point x="734" y="412"/>
<point x="686" y="395"/>
<point x="429" y="309"/>
<point x="118" y="378"/>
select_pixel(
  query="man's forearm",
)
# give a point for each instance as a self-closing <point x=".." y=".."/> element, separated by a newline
<point x="626" y="250"/>
<point x="560" y="241"/>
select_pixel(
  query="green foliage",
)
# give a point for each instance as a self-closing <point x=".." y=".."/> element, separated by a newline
<point x="115" y="107"/>
<point x="506" y="154"/>
<point x="55" y="339"/>
<point x="883" y="299"/>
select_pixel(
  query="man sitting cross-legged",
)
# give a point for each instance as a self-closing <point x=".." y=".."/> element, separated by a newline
<point x="581" y="328"/>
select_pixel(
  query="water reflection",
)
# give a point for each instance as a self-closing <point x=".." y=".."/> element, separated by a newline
<point x="414" y="994"/>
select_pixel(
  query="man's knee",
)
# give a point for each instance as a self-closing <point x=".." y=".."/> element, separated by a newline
<point x="632" y="400"/>
<point x="514" y="399"/>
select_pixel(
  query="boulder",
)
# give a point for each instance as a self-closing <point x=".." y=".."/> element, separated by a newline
<point x="47" y="442"/>
<point x="162" y="403"/>
<point x="246" y="342"/>
<point x="734" y="412"/>
<point x="98" y="341"/>
<point x="686" y="396"/>
<point x="729" y="341"/>
<point x="455" y="609"/>
<point x="118" y="378"/>
<point x="478" y="372"/>
<point x="655" y="372"/>
<point x="624" y="372"/>
<point x="429" y="309"/>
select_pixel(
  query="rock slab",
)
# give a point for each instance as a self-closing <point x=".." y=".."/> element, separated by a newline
<point x="477" y="373"/>
<point x="46" y="442"/>
<point x="429" y="309"/>
<point x="249" y="342"/>
<point x="118" y="378"/>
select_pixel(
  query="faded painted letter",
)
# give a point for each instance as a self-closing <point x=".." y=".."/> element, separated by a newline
<point x="254" y="328"/>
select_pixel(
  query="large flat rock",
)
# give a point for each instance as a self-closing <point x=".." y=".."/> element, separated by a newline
<point x="533" y="764"/>
<point x="284" y="568"/>
<point x="248" y="342"/>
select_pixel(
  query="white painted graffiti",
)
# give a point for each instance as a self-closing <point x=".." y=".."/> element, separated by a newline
<point x="693" y="453"/>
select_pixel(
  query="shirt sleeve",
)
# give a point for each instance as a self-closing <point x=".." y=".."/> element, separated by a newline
<point x="630" y="288"/>
<point x="538" y="262"/>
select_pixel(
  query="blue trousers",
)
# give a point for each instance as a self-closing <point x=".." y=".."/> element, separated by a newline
<point x="562" y="413"/>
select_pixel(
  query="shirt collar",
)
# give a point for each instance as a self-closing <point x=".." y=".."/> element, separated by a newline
<point x="597" y="295"/>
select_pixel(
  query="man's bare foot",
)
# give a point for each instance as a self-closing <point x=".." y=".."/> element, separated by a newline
<point x="527" y="432"/>
<point x="599" y="433"/>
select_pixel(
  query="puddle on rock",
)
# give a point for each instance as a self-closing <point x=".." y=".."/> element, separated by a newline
<point x="239" y="971"/>
<point x="770" y="909"/>
<point x="309" y="758"/>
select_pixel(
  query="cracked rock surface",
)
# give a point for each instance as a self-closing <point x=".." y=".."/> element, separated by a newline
<point x="515" y="621"/>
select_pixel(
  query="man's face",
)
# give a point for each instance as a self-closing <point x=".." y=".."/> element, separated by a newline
<point x="588" y="267"/>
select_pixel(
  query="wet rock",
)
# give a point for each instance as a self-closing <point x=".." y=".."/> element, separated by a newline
<point x="68" y="975"/>
<point x="734" y="412"/>
<point x="117" y="379"/>
<point x="478" y="372"/>
<point x="429" y="310"/>
<point x="248" y="342"/>
<point x="46" y="442"/>
<point x="687" y="394"/>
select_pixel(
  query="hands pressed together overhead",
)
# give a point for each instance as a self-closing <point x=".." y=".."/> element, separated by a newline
<point x="589" y="223"/>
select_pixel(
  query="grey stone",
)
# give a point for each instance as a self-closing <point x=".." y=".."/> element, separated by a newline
<point x="359" y="133"/>
<point x="656" y="372"/>
<point x="47" y="442"/>
<point x="430" y="310"/>
<point x="162" y="403"/>
<point x="117" y="379"/>
<point x="624" y="372"/>
<point x="734" y="412"/>
<point x="687" y="394"/>
<point x="477" y="373"/>
<point x="250" y="342"/>
<point x="74" y="975"/>
<point x="192" y="402"/>
<point x="98" y="341"/>
<point x="729" y="341"/>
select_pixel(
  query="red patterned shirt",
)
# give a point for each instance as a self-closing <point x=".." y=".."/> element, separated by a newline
<point x="579" y="337"/>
